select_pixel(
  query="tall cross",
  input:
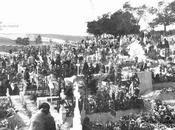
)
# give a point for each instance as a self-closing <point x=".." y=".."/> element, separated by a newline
<point x="97" y="56"/>
<point x="78" y="67"/>
<point x="37" y="84"/>
<point x="8" y="76"/>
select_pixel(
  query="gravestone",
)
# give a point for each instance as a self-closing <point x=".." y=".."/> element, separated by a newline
<point x="145" y="82"/>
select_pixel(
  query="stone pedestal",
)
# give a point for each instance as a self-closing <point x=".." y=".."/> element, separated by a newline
<point x="145" y="82"/>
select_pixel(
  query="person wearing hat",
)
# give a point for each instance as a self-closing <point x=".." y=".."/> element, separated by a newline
<point x="42" y="120"/>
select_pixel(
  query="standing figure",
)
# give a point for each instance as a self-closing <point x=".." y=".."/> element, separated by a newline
<point x="22" y="88"/>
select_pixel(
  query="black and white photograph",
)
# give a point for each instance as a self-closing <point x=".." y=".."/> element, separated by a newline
<point x="87" y="64"/>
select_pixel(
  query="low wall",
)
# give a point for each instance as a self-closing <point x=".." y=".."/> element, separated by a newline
<point x="159" y="86"/>
<point x="104" y="117"/>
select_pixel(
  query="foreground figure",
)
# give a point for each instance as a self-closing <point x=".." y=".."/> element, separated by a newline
<point x="43" y="120"/>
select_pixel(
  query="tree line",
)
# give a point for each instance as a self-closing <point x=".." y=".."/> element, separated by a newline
<point x="26" y="40"/>
<point x="119" y="23"/>
<point x="165" y="14"/>
<point x="126" y="20"/>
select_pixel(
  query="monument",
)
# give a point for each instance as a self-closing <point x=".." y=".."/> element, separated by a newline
<point x="77" y="116"/>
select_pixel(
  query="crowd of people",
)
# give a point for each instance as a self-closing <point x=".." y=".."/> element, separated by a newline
<point x="94" y="56"/>
<point x="36" y="67"/>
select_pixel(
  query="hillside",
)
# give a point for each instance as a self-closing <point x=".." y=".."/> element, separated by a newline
<point x="64" y="37"/>
<point x="6" y="41"/>
<point x="10" y="37"/>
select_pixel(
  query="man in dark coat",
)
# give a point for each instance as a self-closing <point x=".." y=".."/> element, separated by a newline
<point x="43" y="119"/>
<point x="58" y="60"/>
<point x="86" y="124"/>
<point x="4" y="64"/>
<point x="85" y="68"/>
<point x="27" y="75"/>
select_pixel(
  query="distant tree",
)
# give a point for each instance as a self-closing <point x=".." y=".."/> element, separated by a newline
<point x="119" y="23"/>
<point x="22" y="41"/>
<point x="127" y="7"/>
<point x="19" y="40"/>
<point x="138" y="12"/>
<point x="26" y="41"/>
<point x="94" y="28"/>
<point x="123" y="23"/>
<point x="152" y="25"/>
<point x="165" y="14"/>
<point x="105" y="23"/>
<point x="38" y="39"/>
<point x="141" y="10"/>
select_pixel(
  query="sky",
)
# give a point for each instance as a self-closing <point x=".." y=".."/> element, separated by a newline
<point x="56" y="16"/>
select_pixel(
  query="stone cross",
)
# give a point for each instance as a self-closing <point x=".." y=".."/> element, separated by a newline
<point x="96" y="56"/>
<point x="78" y="67"/>
<point x="37" y="84"/>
